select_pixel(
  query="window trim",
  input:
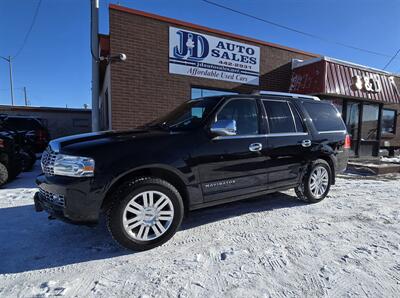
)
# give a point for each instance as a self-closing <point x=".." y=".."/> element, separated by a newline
<point x="394" y="120"/>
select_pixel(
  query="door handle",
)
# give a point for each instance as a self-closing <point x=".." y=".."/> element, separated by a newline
<point x="306" y="143"/>
<point x="255" y="147"/>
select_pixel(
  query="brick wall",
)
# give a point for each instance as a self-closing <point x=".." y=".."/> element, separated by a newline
<point x="142" y="87"/>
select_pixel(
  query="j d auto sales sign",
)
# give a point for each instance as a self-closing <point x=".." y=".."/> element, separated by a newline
<point x="201" y="55"/>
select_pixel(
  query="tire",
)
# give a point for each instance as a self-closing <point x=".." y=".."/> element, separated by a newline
<point x="3" y="174"/>
<point x="15" y="169"/>
<point x="136" y="229"/>
<point x="309" y="191"/>
<point x="32" y="160"/>
<point x="26" y="161"/>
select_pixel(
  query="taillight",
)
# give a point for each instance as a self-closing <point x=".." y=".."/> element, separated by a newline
<point x="347" y="142"/>
<point x="2" y="143"/>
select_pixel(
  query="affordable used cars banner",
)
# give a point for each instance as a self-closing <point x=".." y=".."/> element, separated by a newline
<point x="201" y="55"/>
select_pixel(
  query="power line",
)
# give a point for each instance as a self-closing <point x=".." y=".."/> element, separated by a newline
<point x="29" y="30"/>
<point x="391" y="59"/>
<point x="296" y="30"/>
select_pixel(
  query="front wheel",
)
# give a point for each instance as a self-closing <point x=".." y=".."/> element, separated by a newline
<point x="316" y="183"/>
<point x="145" y="213"/>
<point x="4" y="175"/>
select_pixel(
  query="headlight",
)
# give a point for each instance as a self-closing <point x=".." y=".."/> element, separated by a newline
<point x="73" y="166"/>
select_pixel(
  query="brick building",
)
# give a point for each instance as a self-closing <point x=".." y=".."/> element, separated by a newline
<point x="170" y="61"/>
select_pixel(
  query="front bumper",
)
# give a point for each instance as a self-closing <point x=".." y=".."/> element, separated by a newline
<point x="70" y="199"/>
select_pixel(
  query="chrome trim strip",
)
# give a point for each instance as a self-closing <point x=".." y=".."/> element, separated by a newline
<point x="287" y="134"/>
<point x="238" y="137"/>
<point x="262" y="135"/>
<point x="332" y="131"/>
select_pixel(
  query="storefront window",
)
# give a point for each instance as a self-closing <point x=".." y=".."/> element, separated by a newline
<point x="389" y="121"/>
<point x="200" y="92"/>
<point x="352" y="123"/>
<point x="337" y="102"/>
<point x="370" y="122"/>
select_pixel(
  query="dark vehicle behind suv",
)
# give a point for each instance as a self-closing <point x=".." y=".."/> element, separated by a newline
<point x="10" y="159"/>
<point x="206" y="152"/>
<point x="32" y="126"/>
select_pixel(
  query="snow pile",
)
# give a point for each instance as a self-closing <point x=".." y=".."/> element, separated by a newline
<point x="391" y="159"/>
<point x="347" y="245"/>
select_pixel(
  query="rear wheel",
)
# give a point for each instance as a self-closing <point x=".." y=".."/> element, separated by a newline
<point x="316" y="183"/>
<point x="3" y="174"/>
<point x="145" y="213"/>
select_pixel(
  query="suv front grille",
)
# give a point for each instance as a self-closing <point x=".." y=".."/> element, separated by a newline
<point x="52" y="198"/>
<point x="47" y="162"/>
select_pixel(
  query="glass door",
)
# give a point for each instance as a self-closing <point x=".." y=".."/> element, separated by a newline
<point x="353" y="124"/>
<point x="369" y="144"/>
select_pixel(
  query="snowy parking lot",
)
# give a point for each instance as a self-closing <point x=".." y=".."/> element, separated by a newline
<point x="274" y="246"/>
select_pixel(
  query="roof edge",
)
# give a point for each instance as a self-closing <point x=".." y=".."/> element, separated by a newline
<point x="298" y="63"/>
<point x="207" y="29"/>
<point x="4" y="108"/>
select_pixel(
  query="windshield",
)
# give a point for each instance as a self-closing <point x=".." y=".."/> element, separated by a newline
<point x="188" y="115"/>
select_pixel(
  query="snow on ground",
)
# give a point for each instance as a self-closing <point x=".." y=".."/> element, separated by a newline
<point x="275" y="246"/>
<point x="391" y="159"/>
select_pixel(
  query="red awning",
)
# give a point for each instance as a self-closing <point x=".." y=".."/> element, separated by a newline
<point x="326" y="76"/>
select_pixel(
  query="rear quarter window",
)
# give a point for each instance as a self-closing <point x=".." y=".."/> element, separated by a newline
<point x="325" y="116"/>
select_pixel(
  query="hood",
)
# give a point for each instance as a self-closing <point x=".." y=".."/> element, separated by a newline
<point x="89" y="141"/>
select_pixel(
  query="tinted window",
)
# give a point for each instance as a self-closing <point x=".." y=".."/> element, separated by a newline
<point x="188" y="115"/>
<point x="280" y="117"/>
<point x="324" y="116"/>
<point x="388" y="121"/>
<point x="244" y="112"/>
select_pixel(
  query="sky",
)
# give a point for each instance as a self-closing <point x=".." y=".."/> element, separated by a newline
<point x="55" y="63"/>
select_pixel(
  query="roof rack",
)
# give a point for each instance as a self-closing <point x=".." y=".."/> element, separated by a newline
<point x="291" y="95"/>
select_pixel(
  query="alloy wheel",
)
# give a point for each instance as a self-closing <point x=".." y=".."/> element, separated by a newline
<point x="148" y="215"/>
<point x="319" y="180"/>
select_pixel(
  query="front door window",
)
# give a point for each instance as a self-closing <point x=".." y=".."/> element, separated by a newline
<point x="244" y="112"/>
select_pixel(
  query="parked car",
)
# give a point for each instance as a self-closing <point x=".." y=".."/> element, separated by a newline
<point x="206" y="152"/>
<point x="10" y="160"/>
<point x="35" y="126"/>
<point x="25" y="143"/>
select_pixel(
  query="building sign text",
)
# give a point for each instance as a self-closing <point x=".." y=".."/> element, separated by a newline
<point x="201" y="55"/>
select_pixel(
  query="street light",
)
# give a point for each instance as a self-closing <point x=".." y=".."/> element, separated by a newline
<point x="11" y="78"/>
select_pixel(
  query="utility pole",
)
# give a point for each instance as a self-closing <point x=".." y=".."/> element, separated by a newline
<point x="26" y="98"/>
<point x="94" y="48"/>
<point x="11" y="77"/>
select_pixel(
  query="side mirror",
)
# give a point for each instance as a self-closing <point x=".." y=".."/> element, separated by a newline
<point x="224" y="128"/>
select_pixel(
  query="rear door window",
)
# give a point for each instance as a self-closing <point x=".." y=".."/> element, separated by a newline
<point x="325" y="116"/>
<point x="280" y="117"/>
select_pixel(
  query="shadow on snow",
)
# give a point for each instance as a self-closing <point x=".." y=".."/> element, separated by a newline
<point x="31" y="242"/>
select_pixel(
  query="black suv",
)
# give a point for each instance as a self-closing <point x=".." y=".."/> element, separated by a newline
<point x="206" y="152"/>
<point x="33" y="126"/>
<point x="10" y="158"/>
